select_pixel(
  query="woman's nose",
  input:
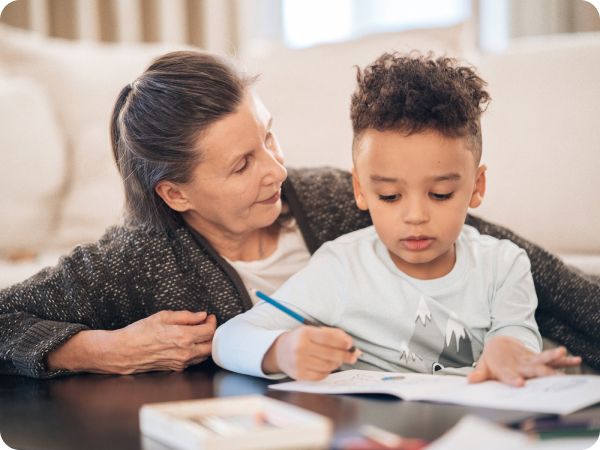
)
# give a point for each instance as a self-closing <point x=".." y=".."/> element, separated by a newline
<point x="275" y="171"/>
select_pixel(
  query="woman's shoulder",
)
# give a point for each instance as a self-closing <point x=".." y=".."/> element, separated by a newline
<point x="140" y="242"/>
<point x="322" y="201"/>
<point x="328" y="177"/>
<point x="320" y="187"/>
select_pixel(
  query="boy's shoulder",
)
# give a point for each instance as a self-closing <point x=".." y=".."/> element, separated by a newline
<point x="354" y="237"/>
<point x="486" y="245"/>
<point x="350" y="244"/>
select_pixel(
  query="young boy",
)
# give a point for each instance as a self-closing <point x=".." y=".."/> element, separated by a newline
<point x="419" y="290"/>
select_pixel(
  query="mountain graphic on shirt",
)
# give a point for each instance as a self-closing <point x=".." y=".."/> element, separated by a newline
<point x="458" y="350"/>
<point x="409" y="358"/>
<point x="426" y="340"/>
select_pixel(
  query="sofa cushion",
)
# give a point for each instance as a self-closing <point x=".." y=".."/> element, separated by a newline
<point x="542" y="141"/>
<point x="83" y="80"/>
<point x="308" y="91"/>
<point x="32" y="166"/>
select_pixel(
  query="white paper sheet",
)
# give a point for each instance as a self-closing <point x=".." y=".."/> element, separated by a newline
<point x="559" y="394"/>
<point x="473" y="433"/>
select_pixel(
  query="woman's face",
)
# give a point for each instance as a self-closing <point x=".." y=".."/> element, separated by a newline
<point x="236" y="187"/>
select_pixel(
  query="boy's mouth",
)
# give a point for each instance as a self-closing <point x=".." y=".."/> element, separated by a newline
<point x="416" y="243"/>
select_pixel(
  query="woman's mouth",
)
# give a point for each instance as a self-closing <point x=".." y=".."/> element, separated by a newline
<point x="273" y="199"/>
<point x="417" y="243"/>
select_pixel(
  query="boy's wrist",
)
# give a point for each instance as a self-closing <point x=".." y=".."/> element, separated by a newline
<point x="270" y="364"/>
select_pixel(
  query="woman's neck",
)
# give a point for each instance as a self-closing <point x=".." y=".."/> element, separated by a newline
<point x="251" y="246"/>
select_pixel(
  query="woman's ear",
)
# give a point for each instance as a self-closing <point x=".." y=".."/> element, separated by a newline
<point x="173" y="196"/>
<point x="358" y="196"/>
<point x="479" y="188"/>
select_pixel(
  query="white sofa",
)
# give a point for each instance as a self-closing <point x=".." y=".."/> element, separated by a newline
<point x="60" y="188"/>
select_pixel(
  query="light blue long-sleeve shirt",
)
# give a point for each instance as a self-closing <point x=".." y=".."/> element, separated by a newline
<point x="400" y="323"/>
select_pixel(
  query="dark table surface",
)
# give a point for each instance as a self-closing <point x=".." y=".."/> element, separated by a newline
<point x="101" y="412"/>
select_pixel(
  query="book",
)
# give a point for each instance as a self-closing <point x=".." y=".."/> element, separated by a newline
<point x="558" y="394"/>
<point x="245" y="422"/>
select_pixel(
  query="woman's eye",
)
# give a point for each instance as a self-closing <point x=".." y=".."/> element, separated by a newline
<point x="241" y="165"/>
<point x="441" y="197"/>
<point x="389" y="198"/>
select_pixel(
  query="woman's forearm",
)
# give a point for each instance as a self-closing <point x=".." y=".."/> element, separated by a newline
<point x="85" y="351"/>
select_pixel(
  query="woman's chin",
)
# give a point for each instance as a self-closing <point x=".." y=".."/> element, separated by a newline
<point x="274" y="213"/>
<point x="265" y="215"/>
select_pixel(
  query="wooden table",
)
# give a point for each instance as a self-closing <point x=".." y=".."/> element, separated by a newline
<point x="101" y="412"/>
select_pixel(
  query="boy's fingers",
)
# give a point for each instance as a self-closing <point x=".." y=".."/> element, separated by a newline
<point x="507" y="375"/>
<point x="479" y="374"/>
<point x="536" y="370"/>
<point x="321" y="365"/>
<point x="330" y="337"/>
<point x="550" y="355"/>
<point x="312" y="375"/>
<point x="510" y="376"/>
<point x="567" y="361"/>
<point x="335" y="356"/>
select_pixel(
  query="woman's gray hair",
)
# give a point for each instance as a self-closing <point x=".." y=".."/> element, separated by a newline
<point x="156" y="122"/>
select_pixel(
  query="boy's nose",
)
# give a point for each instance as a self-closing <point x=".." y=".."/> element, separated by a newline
<point x="415" y="213"/>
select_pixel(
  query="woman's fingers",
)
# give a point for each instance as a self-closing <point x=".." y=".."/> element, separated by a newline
<point x="203" y="332"/>
<point x="182" y="317"/>
<point x="171" y="339"/>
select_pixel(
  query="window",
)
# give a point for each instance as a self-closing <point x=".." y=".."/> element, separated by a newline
<point x="310" y="22"/>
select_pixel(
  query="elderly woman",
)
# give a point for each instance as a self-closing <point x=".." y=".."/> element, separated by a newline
<point x="211" y="212"/>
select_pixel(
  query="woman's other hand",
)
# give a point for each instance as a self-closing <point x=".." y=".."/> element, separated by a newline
<point x="309" y="353"/>
<point x="167" y="340"/>
<point x="507" y="360"/>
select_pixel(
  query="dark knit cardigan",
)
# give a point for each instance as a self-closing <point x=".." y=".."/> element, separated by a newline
<point x="132" y="273"/>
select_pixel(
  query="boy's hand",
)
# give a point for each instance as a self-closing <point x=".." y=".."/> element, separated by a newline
<point x="309" y="353"/>
<point x="507" y="360"/>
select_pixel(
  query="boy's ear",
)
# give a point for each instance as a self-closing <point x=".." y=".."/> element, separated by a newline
<point x="358" y="196"/>
<point x="479" y="188"/>
<point x="172" y="195"/>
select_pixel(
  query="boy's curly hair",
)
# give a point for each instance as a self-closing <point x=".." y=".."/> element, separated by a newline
<point x="412" y="93"/>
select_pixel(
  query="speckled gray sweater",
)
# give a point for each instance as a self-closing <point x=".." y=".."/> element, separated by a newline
<point x="132" y="273"/>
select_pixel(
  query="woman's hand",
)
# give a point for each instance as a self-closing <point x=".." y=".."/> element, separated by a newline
<point x="507" y="360"/>
<point x="309" y="353"/>
<point x="167" y="340"/>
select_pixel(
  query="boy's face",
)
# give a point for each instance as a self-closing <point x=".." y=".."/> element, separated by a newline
<point x="417" y="189"/>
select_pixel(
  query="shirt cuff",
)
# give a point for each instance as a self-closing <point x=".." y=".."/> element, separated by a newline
<point x="526" y="336"/>
<point x="245" y="355"/>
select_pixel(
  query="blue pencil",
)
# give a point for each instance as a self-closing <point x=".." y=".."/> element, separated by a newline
<point x="289" y="312"/>
<point x="285" y="309"/>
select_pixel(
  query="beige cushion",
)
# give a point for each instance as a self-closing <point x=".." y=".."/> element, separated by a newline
<point x="308" y="91"/>
<point x="32" y="165"/>
<point x="542" y="141"/>
<point x="83" y="80"/>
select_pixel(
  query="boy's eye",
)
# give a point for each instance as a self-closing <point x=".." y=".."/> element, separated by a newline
<point x="389" y="198"/>
<point x="440" y="197"/>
